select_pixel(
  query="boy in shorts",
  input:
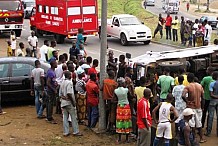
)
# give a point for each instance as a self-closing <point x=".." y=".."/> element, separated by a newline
<point x="164" y="126"/>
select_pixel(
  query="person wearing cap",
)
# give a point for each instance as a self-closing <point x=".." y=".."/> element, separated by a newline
<point x="186" y="137"/>
<point x="81" y="96"/>
<point x="86" y="68"/>
<point x="195" y="101"/>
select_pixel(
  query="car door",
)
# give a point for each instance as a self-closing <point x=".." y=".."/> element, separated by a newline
<point x="115" y="27"/>
<point x="4" y="80"/>
<point x="20" y="79"/>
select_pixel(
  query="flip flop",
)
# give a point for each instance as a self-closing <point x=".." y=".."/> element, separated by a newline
<point x="203" y="141"/>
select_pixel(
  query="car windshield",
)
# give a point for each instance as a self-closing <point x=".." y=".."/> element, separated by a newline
<point x="30" y="4"/>
<point x="129" y="21"/>
<point x="9" y="6"/>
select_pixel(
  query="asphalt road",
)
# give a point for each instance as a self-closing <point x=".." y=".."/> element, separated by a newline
<point x="157" y="9"/>
<point x="93" y="47"/>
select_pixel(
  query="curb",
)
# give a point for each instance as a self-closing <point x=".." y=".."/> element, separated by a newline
<point x="170" y="45"/>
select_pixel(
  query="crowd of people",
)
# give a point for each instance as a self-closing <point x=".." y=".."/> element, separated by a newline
<point x="72" y="83"/>
<point x="191" y="33"/>
<point x="74" y="86"/>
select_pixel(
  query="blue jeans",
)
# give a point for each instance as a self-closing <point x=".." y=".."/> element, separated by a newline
<point x="93" y="115"/>
<point x="69" y="109"/>
<point x="38" y="104"/>
<point x="212" y="107"/>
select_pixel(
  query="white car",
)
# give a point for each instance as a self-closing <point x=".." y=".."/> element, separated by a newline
<point x="128" y="28"/>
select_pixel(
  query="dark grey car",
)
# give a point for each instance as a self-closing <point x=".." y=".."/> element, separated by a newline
<point x="15" y="75"/>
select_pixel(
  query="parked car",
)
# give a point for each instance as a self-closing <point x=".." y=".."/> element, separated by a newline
<point x="212" y="19"/>
<point x="15" y="75"/>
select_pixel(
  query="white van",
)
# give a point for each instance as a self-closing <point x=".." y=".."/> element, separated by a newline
<point x="150" y="2"/>
<point x="171" y="6"/>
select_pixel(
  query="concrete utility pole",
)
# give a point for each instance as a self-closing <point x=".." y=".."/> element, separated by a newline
<point x="103" y="53"/>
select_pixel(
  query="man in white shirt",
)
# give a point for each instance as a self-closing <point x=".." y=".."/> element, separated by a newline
<point x="37" y="88"/>
<point x="194" y="28"/>
<point x="33" y="42"/>
<point x="59" y="72"/>
<point x="44" y="51"/>
<point x="208" y="31"/>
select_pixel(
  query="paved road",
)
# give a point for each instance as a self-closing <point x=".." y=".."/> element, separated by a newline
<point x="158" y="9"/>
<point x="93" y="47"/>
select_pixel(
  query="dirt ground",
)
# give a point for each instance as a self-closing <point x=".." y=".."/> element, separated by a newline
<point x="19" y="126"/>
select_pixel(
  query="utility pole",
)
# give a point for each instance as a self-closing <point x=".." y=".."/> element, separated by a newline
<point x="103" y="53"/>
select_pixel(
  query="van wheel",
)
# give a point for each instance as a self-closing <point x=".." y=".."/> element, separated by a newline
<point x="18" y="32"/>
<point x="123" y="39"/>
<point x="59" y="38"/>
<point x="146" y="42"/>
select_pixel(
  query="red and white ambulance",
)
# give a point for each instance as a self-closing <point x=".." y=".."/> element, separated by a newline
<point x="63" y="18"/>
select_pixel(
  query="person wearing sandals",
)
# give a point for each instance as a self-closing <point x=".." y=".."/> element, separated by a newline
<point x="68" y="105"/>
<point x="123" y="117"/>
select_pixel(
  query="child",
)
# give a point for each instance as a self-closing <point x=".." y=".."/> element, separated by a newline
<point x="180" y="104"/>
<point x="9" y="50"/>
<point x="164" y="123"/>
<point x="20" y="50"/>
<point x="82" y="51"/>
<point x="13" y="42"/>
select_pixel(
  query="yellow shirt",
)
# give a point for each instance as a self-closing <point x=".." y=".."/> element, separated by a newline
<point x="139" y="91"/>
<point x="185" y="82"/>
<point x="176" y="26"/>
<point x="9" y="51"/>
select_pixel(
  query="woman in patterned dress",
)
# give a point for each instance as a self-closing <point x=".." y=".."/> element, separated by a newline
<point x="81" y="97"/>
<point x="123" y="116"/>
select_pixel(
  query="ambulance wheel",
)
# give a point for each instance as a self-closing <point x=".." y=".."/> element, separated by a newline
<point x="18" y="33"/>
<point x="59" y="38"/>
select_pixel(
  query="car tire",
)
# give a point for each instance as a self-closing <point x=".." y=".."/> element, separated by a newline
<point x="146" y="42"/>
<point x="18" y="32"/>
<point x="59" y="38"/>
<point x="123" y="39"/>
